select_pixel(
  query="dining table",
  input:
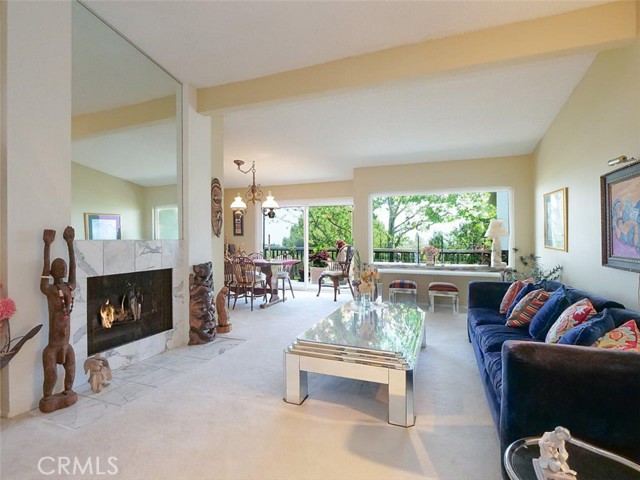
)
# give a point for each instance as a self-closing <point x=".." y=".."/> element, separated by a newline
<point x="266" y="266"/>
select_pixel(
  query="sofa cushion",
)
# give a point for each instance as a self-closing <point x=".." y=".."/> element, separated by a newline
<point x="574" y="294"/>
<point x="621" y="316"/>
<point x="625" y="337"/>
<point x="491" y="337"/>
<point x="548" y="314"/>
<point x="528" y="288"/>
<point x="484" y="316"/>
<point x="587" y="333"/>
<point x="578" y="313"/>
<point x="511" y="294"/>
<point x="527" y="308"/>
<point x="493" y="366"/>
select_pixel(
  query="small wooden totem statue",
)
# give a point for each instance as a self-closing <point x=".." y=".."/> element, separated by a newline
<point x="223" y="312"/>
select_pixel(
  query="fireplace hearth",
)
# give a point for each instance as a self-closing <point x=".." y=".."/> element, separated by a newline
<point x="127" y="307"/>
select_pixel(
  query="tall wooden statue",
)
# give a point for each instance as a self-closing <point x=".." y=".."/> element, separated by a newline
<point x="60" y="302"/>
<point x="202" y="322"/>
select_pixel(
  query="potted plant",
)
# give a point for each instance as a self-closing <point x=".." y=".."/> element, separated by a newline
<point x="317" y="264"/>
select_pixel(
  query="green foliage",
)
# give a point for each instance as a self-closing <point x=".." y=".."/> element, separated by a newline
<point x="419" y="212"/>
<point x="531" y="267"/>
<point x="326" y="225"/>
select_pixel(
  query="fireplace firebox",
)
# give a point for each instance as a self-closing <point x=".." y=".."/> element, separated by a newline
<point x="127" y="307"/>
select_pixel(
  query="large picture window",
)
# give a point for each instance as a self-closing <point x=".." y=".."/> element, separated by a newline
<point x="453" y="223"/>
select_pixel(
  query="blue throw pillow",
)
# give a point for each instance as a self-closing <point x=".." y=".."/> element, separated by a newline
<point x="528" y="288"/>
<point x="587" y="333"/>
<point x="547" y="315"/>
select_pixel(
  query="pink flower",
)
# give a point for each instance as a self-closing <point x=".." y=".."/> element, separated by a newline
<point x="7" y="308"/>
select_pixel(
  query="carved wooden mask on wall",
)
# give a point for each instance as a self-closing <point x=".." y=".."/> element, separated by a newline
<point x="216" y="206"/>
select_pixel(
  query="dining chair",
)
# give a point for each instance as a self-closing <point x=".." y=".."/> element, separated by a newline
<point x="229" y="279"/>
<point x="338" y="270"/>
<point x="247" y="279"/>
<point x="284" y="273"/>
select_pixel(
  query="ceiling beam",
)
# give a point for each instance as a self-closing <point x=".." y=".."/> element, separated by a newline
<point x="587" y="30"/>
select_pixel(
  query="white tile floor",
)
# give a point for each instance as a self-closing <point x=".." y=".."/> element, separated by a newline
<point x="136" y="381"/>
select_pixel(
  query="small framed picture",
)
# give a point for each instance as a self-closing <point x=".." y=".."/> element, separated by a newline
<point x="238" y="226"/>
<point x="102" y="226"/>
<point x="620" y="207"/>
<point x="555" y="219"/>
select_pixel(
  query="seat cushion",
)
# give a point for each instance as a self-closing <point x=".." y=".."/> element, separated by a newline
<point x="491" y="337"/>
<point x="442" y="287"/>
<point x="484" y="316"/>
<point x="493" y="366"/>
<point x="403" y="284"/>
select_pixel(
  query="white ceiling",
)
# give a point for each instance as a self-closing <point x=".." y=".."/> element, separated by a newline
<point x="498" y="112"/>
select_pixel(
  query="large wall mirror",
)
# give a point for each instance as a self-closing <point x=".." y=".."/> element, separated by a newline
<point x="126" y="138"/>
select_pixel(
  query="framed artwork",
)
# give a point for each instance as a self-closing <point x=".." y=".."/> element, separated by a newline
<point x="238" y="226"/>
<point x="620" y="207"/>
<point x="555" y="219"/>
<point x="102" y="226"/>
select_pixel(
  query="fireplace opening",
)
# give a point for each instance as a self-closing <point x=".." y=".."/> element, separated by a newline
<point x="127" y="307"/>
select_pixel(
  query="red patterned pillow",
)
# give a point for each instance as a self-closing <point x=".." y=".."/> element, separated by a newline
<point x="625" y="337"/>
<point x="511" y="293"/>
<point x="573" y="316"/>
<point x="527" y="308"/>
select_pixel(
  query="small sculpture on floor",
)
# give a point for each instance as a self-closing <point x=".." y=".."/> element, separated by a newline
<point x="60" y="302"/>
<point x="223" y="312"/>
<point x="552" y="464"/>
<point x="99" y="372"/>
<point x="202" y="323"/>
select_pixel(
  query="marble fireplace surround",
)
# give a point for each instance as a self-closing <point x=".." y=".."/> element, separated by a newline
<point x="107" y="257"/>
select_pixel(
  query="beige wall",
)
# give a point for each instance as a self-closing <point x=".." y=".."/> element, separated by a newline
<point x="600" y="121"/>
<point x="97" y="192"/>
<point x="154" y="197"/>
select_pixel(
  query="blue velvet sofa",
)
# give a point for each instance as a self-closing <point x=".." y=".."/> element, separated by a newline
<point x="532" y="386"/>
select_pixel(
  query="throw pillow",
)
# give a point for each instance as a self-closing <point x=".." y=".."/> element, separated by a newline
<point x="625" y="337"/>
<point x="548" y="314"/>
<point x="587" y="333"/>
<point x="573" y="316"/>
<point x="511" y="293"/>
<point x="527" y="289"/>
<point x="526" y="308"/>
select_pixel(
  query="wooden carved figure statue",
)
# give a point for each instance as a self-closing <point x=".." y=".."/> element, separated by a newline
<point x="60" y="302"/>
<point x="202" y="322"/>
<point x="223" y="312"/>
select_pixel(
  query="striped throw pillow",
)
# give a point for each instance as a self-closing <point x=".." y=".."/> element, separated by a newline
<point x="527" y="308"/>
<point x="511" y="293"/>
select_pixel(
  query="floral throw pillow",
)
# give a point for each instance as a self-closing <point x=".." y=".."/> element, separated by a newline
<point x="573" y="316"/>
<point x="511" y="293"/>
<point x="625" y="337"/>
<point x="527" y="308"/>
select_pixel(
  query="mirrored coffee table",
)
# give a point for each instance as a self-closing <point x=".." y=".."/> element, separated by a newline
<point x="380" y="345"/>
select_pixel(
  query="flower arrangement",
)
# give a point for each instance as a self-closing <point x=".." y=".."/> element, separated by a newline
<point x="368" y="279"/>
<point x="430" y="251"/>
<point x="319" y="259"/>
<point x="340" y="244"/>
<point x="7" y="352"/>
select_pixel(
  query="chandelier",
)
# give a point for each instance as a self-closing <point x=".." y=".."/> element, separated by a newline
<point x="253" y="195"/>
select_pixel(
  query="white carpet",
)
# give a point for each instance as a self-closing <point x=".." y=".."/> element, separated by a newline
<point x="222" y="416"/>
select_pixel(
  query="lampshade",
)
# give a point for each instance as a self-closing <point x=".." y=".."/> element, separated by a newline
<point x="270" y="202"/>
<point x="238" y="205"/>
<point x="496" y="229"/>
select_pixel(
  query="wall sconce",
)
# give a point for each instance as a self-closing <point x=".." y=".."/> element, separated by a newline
<point x="253" y="195"/>
<point x="620" y="159"/>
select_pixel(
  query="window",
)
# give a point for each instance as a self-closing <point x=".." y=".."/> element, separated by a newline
<point x="454" y="223"/>
<point x="165" y="222"/>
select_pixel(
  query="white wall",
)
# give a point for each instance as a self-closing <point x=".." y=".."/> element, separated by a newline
<point x="600" y="121"/>
<point x="36" y="132"/>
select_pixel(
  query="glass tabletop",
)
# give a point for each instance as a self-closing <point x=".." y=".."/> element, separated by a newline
<point x="590" y="463"/>
<point x="388" y="328"/>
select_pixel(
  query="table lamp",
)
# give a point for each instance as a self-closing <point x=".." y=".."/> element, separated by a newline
<point x="495" y="231"/>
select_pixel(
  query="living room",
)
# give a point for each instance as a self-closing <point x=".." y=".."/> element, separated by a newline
<point x="599" y="121"/>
